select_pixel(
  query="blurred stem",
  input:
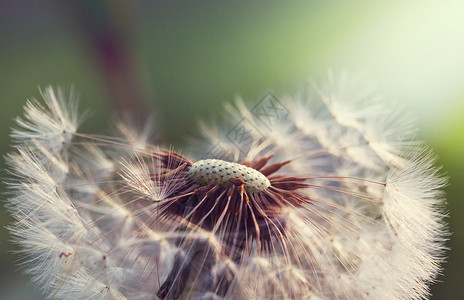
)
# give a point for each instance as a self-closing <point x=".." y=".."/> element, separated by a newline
<point x="107" y="28"/>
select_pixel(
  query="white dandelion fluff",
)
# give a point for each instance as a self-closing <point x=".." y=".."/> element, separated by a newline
<point x="323" y="196"/>
<point x="51" y="127"/>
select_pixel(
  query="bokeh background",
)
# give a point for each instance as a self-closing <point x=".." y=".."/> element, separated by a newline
<point x="184" y="59"/>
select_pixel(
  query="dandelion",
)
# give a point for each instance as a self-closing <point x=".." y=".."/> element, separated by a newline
<point x="335" y="200"/>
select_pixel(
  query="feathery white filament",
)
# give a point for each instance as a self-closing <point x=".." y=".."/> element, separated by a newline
<point x="216" y="171"/>
<point x="51" y="129"/>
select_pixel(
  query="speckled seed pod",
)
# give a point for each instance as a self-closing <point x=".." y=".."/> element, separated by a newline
<point x="216" y="171"/>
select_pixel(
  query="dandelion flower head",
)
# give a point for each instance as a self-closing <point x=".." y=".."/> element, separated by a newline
<point x="326" y="195"/>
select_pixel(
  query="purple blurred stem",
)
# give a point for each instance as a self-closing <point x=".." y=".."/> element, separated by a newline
<point x="108" y="31"/>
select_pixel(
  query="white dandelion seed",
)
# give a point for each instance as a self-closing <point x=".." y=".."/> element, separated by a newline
<point x="50" y="128"/>
<point x="336" y="201"/>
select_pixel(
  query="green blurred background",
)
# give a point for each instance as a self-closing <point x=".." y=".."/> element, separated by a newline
<point x="185" y="59"/>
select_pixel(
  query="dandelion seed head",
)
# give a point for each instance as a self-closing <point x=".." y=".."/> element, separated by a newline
<point x="335" y="200"/>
